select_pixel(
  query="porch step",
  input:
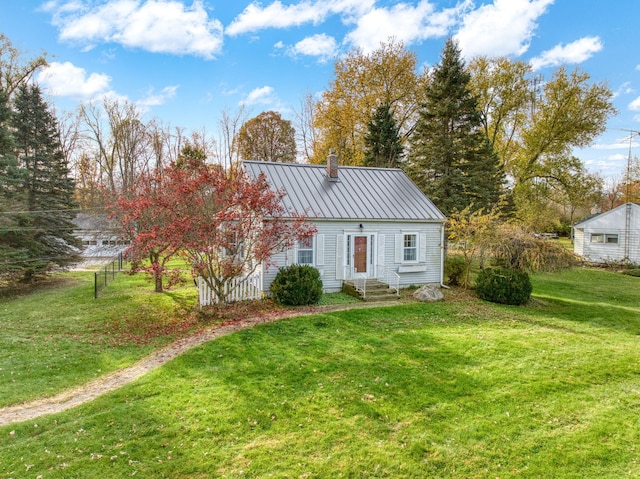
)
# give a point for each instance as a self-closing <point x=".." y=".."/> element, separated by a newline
<point x="375" y="291"/>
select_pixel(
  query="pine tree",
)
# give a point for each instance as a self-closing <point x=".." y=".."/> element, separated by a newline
<point x="383" y="147"/>
<point x="451" y="159"/>
<point x="46" y="226"/>
<point x="9" y="171"/>
<point x="12" y="252"/>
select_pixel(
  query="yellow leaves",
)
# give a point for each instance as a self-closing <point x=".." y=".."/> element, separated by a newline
<point x="362" y="82"/>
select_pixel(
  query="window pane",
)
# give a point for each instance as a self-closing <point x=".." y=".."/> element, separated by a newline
<point x="409" y="254"/>
<point x="597" y="238"/>
<point x="612" y="239"/>
<point x="306" y="243"/>
<point x="409" y="241"/>
<point x="410" y="247"/>
<point x="305" y="256"/>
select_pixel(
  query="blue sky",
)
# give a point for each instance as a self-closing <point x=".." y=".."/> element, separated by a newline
<point x="185" y="61"/>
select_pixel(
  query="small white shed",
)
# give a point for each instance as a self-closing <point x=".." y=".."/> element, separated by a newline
<point x="612" y="236"/>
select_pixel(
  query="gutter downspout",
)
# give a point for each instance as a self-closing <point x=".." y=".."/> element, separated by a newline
<point x="442" y="285"/>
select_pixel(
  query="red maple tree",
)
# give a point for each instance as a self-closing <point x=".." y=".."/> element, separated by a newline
<point x="143" y="221"/>
<point x="224" y="223"/>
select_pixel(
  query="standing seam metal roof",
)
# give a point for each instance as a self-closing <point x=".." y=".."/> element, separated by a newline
<point x="360" y="193"/>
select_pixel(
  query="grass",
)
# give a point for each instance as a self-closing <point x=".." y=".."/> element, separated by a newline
<point x="61" y="336"/>
<point x="456" y="389"/>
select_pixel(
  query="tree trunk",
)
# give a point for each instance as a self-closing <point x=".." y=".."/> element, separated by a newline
<point x="158" y="279"/>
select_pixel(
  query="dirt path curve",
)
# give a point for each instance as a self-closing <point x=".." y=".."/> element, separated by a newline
<point x="89" y="391"/>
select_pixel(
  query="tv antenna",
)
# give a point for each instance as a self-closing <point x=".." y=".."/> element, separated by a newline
<point x="627" y="194"/>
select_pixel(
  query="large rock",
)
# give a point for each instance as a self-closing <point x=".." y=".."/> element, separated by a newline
<point x="429" y="293"/>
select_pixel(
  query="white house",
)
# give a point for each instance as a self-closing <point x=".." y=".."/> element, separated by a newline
<point x="371" y="223"/>
<point x="611" y="236"/>
<point x="101" y="238"/>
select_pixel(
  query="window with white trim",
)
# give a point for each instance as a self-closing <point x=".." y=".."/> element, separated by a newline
<point x="410" y="248"/>
<point x="608" y="238"/>
<point x="305" y="251"/>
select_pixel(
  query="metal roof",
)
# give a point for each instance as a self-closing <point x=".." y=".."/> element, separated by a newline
<point x="359" y="193"/>
<point x="632" y="206"/>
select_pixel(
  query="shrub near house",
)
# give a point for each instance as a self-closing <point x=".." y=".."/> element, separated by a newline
<point x="297" y="285"/>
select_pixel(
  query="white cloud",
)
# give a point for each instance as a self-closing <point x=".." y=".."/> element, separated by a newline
<point x="624" y="89"/>
<point x="255" y="17"/>
<point x="635" y="105"/>
<point x="159" y="26"/>
<point x="265" y="95"/>
<point x="619" y="144"/>
<point x="66" y="79"/>
<point x="574" y="52"/>
<point x="155" y="99"/>
<point x="322" y="46"/>
<point x="404" y="22"/>
<point x="373" y="25"/>
<point x="503" y="28"/>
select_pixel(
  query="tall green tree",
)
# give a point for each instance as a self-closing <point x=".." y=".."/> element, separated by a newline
<point x="12" y="255"/>
<point x="46" y="225"/>
<point x="534" y="124"/>
<point x="382" y="143"/>
<point x="451" y="158"/>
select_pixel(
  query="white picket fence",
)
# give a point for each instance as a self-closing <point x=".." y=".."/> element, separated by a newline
<point x="242" y="288"/>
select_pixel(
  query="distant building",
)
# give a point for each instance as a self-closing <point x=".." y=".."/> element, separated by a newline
<point x="101" y="238"/>
<point x="612" y="236"/>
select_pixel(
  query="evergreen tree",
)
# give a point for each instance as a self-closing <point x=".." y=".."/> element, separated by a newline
<point x="383" y="147"/>
<point x="451" y="159"/>
<point x="12" y="254"/>
<point x="46" y="225"/>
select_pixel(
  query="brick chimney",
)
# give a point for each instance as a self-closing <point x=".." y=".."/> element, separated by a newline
<point x="332" y="166"/>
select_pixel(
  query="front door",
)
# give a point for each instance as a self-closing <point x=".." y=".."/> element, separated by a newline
<point x="360" y="248"/>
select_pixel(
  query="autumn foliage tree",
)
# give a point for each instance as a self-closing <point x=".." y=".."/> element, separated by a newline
<point x="267" y="137"/>
<point x="471" y="231"/>
<point x="224" y="225"/>
<point x="362" y="81"/>
<point x="535" y="124"/>
<point x="144" y="219"/>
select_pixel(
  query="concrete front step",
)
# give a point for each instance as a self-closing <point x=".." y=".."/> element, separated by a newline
<point x="380" y="297"/>
<point x="375" y="291"/>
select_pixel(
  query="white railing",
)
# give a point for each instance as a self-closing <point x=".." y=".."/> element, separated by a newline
<point x="359" y="281"/>
<point x="392" y="278"/>
<point x="242" y="288"/>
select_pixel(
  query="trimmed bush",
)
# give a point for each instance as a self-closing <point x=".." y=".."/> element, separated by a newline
<point x="455" y="267"/>
<point x="504" y="286"/>
<point x="297" y="285"/>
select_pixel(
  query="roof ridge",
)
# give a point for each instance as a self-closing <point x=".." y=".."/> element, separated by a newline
<point x="321" y="165"/>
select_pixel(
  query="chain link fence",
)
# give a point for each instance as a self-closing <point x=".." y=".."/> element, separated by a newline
<point x="108" y="273"/>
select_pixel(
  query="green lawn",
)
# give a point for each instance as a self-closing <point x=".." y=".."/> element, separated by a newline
<point x="61" y="336"/>
<point x="461" y="389"/>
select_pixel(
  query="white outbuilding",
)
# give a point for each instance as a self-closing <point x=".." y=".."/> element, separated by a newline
<point x="609" y="237"/>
